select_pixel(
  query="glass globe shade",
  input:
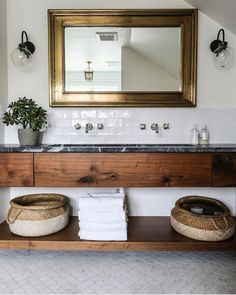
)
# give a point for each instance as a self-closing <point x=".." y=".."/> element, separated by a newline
<point x="21" y="57"/>
<point x="224" y="58"/>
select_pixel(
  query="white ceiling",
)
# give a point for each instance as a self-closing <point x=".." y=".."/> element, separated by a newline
<point x="82" y="45"/>
<point x="222" y="11"/>
<point x="162" y="46"/>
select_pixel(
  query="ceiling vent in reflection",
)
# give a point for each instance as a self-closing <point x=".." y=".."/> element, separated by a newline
<point x="107" y="36"/>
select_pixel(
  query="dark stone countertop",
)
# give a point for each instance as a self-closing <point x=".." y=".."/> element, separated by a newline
<point x="117" y="148"/>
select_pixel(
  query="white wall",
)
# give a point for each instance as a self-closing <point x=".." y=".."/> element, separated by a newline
<point x="3" y="63"/>
<point x="4" y="193"/>
<point x="221" y="11"/>
<point x="216" y="99"/>
<point x="4" y="204"/>
<point x="140" y="73"/>
<point x="216" y="89"/>
<point x="141" y="201"/>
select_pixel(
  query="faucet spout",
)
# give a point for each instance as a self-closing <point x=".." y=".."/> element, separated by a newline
<point x="155" y="127"/>
<point x="88" y="126"/>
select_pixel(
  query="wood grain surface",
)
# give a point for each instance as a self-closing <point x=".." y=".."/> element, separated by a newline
<point x="224" y="170"/>
<point x="144" y="234"/>
<point x="127" y="170"/>
<point x="16" y="169"/>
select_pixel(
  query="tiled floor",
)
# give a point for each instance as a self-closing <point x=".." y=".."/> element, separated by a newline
<point x="106" y="272"/>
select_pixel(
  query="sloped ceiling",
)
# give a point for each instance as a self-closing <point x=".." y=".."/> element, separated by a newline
<point x="222" y="11"/>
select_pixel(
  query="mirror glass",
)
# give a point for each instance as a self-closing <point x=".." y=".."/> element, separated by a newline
<point x="122" y="59"/>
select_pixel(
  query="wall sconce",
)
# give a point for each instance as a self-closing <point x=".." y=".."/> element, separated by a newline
<point x="222" y="53"/>
<point x="22" y="55"/>
<point x="88" y="74"/>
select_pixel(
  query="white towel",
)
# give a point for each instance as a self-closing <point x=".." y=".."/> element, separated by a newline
<point x="95" y="226"/>
<point x="102" y="202"/>
<point x="103" y="236"/>
<point x="106" y="217"/>
<point x="106" y="195"/>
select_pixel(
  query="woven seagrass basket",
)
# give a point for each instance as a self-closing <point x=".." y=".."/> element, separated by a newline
<point x="38" y="214"/>
<point x="215" y="224"/>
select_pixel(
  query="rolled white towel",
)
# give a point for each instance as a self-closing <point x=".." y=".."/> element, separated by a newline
<point x="95" y="226"/>
<point x="103" y="202"/>
<point x="120" y="235"/>
<point x="106" y="217"/>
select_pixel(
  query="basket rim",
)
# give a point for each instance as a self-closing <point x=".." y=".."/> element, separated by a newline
<point x="192" y="197"/>
<point x="58" y="201"/>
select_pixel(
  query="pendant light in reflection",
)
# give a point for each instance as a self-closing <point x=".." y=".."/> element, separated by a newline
<point x="88" y="74"/>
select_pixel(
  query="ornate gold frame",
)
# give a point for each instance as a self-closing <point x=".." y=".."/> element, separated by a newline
<point x="184" y="18"/>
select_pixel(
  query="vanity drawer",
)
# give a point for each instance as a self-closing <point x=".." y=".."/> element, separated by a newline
<point x="224" y="170"/>
<point x="123" y="169"/>
<point x="16" y="169"/>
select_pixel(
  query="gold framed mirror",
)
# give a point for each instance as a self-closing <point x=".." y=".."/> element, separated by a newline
<point x="125" y="58"/>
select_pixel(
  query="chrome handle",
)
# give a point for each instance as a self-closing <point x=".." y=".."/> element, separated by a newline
<point x="142" y="126"/>
<point x="77" y="126"/>
<point x="100" y="126"/>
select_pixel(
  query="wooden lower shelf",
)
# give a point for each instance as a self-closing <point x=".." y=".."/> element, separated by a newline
<point x="145" y="234"/>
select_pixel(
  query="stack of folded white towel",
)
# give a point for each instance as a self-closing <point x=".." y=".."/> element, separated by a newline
<point x="103" y="217"/>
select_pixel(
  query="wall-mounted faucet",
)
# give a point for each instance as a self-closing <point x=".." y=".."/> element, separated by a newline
<point x="88" y="127"/>
<point x="155" y="127"/>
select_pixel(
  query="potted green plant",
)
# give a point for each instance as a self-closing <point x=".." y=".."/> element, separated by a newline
<point x="27" y="113"/>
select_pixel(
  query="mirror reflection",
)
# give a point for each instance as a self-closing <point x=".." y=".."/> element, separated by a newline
<point x="120" y="59"/>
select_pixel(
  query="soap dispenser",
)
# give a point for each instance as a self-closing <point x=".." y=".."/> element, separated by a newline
<point x="194" y="136"/>
<point x="204" y="135"/>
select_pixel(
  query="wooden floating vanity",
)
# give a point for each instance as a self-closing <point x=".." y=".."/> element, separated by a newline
<point x="130" y="166"/>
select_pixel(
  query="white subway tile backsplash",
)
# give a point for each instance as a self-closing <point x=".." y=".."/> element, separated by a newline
<point x="123" y="113"/>
<point x="87" y="114"/>
<point x="105" y="113"/>
<point x="75" y="115"/>
<point x="113" y="122"/>
<point x="63" y="123"/>
<point x="122" y="125"/>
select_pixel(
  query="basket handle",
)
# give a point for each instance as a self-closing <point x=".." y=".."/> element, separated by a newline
<point x="218" y="228"/>
<point x="12" y="219"/>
